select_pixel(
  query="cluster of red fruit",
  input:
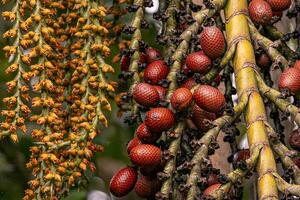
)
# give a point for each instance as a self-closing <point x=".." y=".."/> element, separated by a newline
<point x="262" y="11"/>
<point x="208" y="102"/>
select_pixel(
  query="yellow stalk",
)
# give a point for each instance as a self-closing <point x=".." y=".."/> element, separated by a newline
<point x="238" y="32"/>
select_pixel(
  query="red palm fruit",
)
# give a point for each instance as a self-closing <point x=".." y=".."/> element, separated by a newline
<point x="145" y="155"/>
<point x="260" y="12"/>
<point x="297" y="161"/>
<point x="123" y="181"/>
<point x="212" y="42"/>
<point x="125" y="61"/>
<point x="146" y="187"/>
<point x="181" y="99"/>
<point x="212" y="179"/>
<point x="199" y="117"/>
<point x="145" y="94"/>
<point x="209" y="98"/>
<point x="218" y="79"/>
<point x="242" y="154"/>
<point x="159" y="119"/>
<point x="294" y="140"/>
<point x="279" y="5"/>
<point x="152" y="54"/>
<point x="198" y="62"/>
<point x="161" y="91"/>
<point x="297" y="64"/>
<point x="155" y="72"/>
<point x="144" y="134"/>
<point x="189" y="84"/>
<point x="133" y="143"/>
<point x="263" y="61"/>
<point x="290" y="79"/>
<point x="211" y="189"/>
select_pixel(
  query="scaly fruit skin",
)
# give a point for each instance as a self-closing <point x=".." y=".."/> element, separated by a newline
<point x="294" y="140"/>
<point x="152" y="54"/>
<point x="125" y="61"/>
<point x="211" y="189"/>
<point x="297" y="161"/>
<point x="260" y="12"/>
<point x="279" y="5"/>
<point x="145" y="94"/>
<point x="159" y="119"/>
<point x="199" y="116"/>
<point x="133" y="143"/>
<point x="146" y="187"/>
<point x="212" y="42"/>
<point x="297" y="64"/>
<point x="156" y="72"/>
<point x="181" y="99"/>
<point x="145" y="155"/>
<point x="144" y="134"/>
<point x="242" y="154"/>
<point x="197" y="62"/>
<point x="290" y="79"/>
<point x="161" y="91"/>
<point x="263" y="61"/>
<point x="189" y="84"/>
<point x="209" y="98"/>
<point x="123" y="181"/>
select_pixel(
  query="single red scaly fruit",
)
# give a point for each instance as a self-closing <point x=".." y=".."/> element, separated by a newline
<point x="290" y="79"/>
<point x="297" y="64"/>
<point x="218" y="79"/>
<point x="189" y="84"/>
<point x="152" y="54"/>
<point x="198" y="62"/>
<point x="297" y="161"/>
<point x="145" y="94"/>
<point x="123" y="181"/>
<point x="263" y="61"/>
<point x="212" y="42"/>
<point x="145" y="155"/>
<point x="155" y="72"/>
<point x="161" y="91"/>
<point x="199" y="117"/>
<point x="146" y="187"/>
<point x="260" y="12"/>
<point x="144" y="134"/>
<point x="125" y="61"/>
<point x="159" y="119"/>
<point x="211" y="189"/>
<point x="209" y="98"/>
<point x="294" y="140"/>
<point x="133" y="143"/>
<point x="242" y="154"/>
<point x="181" y="99"/>
<point x="279" y="5"/>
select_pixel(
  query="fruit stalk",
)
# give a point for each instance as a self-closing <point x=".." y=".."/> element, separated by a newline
<point x="284" y="153"/>
<point x="237" y="28"/>
<point x="238" y="174"/>
<point x="267" y="45"/>
<point x="275" y="97"/>
<point x="205" y="141"/>
<point x="171" y="164"/>
<point x="285" y="187"/>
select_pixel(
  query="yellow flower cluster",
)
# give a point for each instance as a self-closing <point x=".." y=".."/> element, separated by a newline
<point x="57" y="54"/>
